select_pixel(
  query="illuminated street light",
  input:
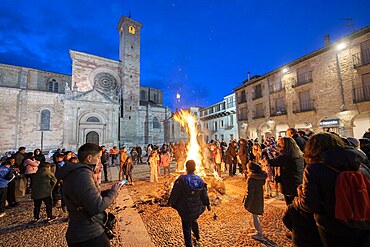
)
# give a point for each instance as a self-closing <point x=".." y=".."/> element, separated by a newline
<point x="341" y="46"/>
<point x="285" y="70"/>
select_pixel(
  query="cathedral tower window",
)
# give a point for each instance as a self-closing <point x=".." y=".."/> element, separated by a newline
<point x="45" y="120"/>
<point x="156" y="124"/>
<point x="53" y="86"/>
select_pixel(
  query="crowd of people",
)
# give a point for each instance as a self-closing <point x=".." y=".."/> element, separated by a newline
<point x="300" y="168"/>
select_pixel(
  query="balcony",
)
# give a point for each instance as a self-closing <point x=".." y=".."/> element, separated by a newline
<point x="243" y="117"/>
<point x="276" y="87"/>
<point x="242" y="99"/>
<point x="303" y="78"/>
<point x="361" y="58"/>
<point x="278" y="111"/>
<point x="259" y="114"/>
<point x="304" y="106"/>
<point x="231" y="104"/>
<point x="257" y="94"/>
<point x="361" y="94"/>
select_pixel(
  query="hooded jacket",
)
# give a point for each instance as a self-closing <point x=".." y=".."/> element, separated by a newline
<point x="5" y="175"/>
<point x="319" y="197"/>
<point x="42" y="183"/>
<point x="84" y="202"/>
<point x="189" y="196"/>
<point x="254" y="198"/>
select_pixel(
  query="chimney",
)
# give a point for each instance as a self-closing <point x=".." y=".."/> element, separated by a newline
<point x="249" y="76"/>
<point x="327" y="39"/>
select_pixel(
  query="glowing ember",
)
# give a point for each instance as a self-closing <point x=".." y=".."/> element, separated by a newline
<point x="189" y="122"/>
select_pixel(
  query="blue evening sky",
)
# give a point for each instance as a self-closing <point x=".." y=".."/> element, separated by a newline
<point x="202" y="49"/>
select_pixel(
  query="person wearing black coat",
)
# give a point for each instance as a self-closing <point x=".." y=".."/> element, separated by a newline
<point x="243" y="156"/>
<point x="231" y="159"/>
<point x="189" y="197"/>
<point x="253" y="201"/>
<point x="86" y="204"/>
<point x="291" y="165"/>
<point x="302" y="225"/>
<point x="323" y="150"/>
<point x="293" y="133"/>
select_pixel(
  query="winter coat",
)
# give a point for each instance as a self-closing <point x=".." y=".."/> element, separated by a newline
<point x="83" y="199"/>
<point x="104" y="157"/>
<point x="230" y="155"/>
<point x="165" y="160"/>
<point x="123" y="157"/>
<point x="254" y="198"/>
<point x="189" y="196"/>
<point x="319" y="197"/>
<point x="243" y="154"/>
<point x="43" y="183"/>
<point x="5" y="175"/>
<point x="303" y="227"/>
<point x="300" y="142"/>
<point x="19" y="157"/>
<point x="30" y="166"/>
<point x="291" y="172"/>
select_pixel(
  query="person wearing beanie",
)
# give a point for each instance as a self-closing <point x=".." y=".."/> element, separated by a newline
<point x="189" y="197"/>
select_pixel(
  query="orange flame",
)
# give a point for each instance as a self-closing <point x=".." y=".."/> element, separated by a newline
<point x="189" y="122"/>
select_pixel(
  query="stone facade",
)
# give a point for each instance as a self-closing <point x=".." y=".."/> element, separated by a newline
<point x="326" y="90"/>
<point x="100" y="102"/>
<point x="218" y="121"/>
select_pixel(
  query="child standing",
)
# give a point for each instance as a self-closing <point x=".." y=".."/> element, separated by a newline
<point x="127" y="170"/>
<point x="43" y="183"/>
<point x="253" y="201"/>
<point x="165" y="162"/>
<point x="153" y="162"/>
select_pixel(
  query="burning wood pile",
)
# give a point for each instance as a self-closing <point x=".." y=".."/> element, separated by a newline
<point x="198" y="151"/>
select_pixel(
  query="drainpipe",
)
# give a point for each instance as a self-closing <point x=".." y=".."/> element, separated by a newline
<point x="342" y="108"/>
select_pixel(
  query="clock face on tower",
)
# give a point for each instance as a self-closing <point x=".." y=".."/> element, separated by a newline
<point x="131" y="29"/>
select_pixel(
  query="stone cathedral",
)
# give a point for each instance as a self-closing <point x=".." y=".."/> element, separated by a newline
<point x="102" y="102"/>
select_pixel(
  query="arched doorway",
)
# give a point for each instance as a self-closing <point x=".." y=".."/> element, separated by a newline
<point x="92" y="137"/>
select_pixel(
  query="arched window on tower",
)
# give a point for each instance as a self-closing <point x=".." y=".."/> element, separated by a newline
<point x="45" y="120"/>
<point x="53" y="86"/>
<point x="156" y="124"/>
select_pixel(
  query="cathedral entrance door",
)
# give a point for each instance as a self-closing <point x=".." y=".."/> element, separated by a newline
<point x="92" y="137"/>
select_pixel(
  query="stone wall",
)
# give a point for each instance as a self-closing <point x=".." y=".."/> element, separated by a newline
<point x="328" y="67"/>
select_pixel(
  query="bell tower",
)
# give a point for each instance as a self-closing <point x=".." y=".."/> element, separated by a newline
<point x="129" y="55"/>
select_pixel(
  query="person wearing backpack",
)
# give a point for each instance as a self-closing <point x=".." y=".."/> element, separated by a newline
<point x="329" y="159"/>
<point x="189" y="197"/>
<point x="6" y="175"/>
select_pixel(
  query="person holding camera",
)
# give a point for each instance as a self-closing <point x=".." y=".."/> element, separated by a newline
<point x="86" y="204"/>
<point x="189" y="197"/>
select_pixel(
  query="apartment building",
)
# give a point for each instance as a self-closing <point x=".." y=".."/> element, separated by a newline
<point x="218" y="121"/>
<point x="326" y="90"/>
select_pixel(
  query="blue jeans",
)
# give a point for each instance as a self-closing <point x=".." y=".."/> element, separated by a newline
<point x="187" y="227"/>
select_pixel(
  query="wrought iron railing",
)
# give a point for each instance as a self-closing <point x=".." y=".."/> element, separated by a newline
<point x="257" y="94"/>
<point x="361" y="58"/>
<point x="278" y="111"/>
<point x="304" y="106"/>
<point x="276" y="87"/>
<point x="258" y="114"/>
<point x="361" y="94"/>
<point x="303" y="78"/>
